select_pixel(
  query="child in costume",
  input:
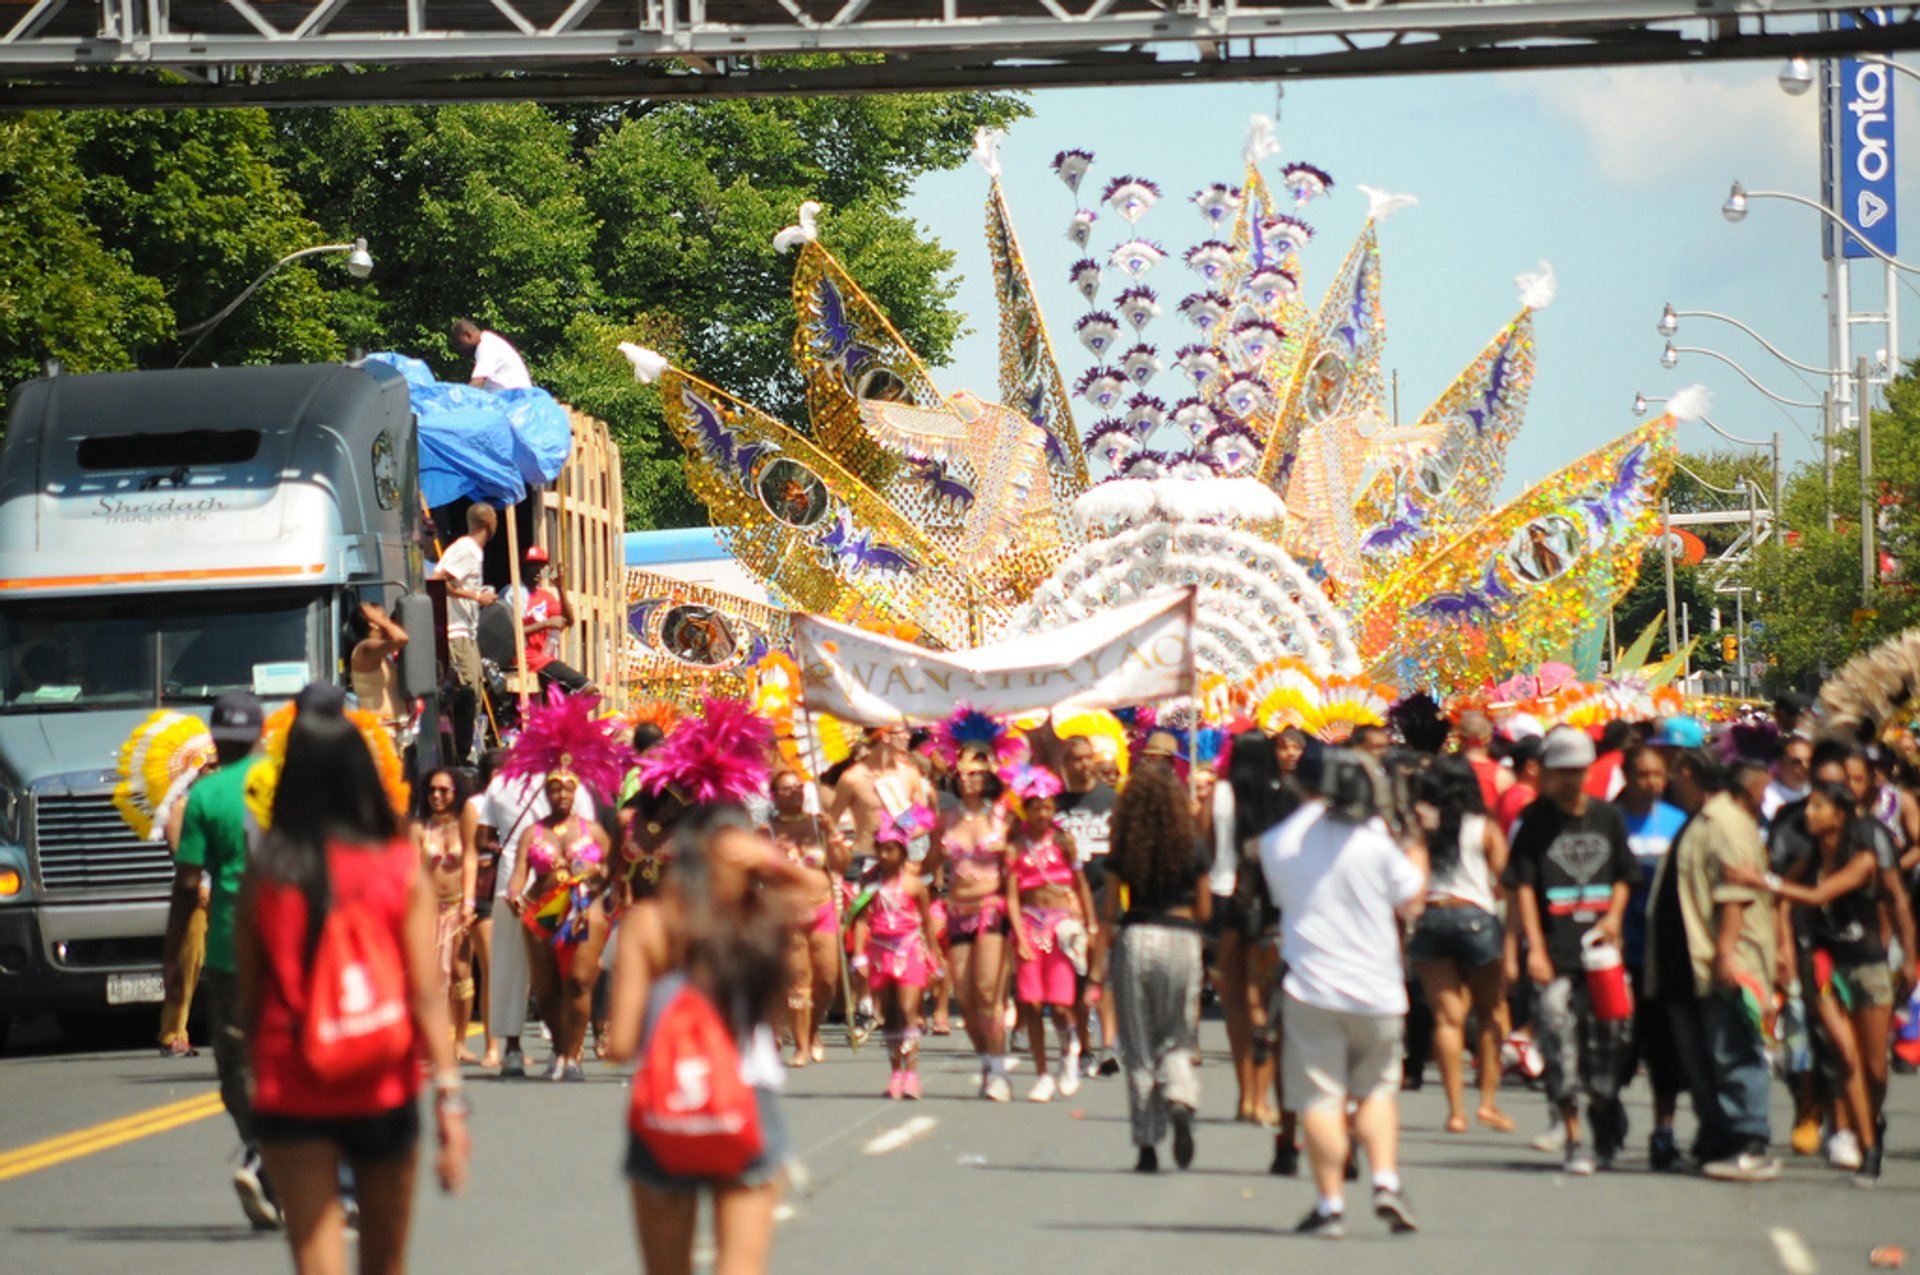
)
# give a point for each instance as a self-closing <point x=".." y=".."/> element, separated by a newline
<point x="891" y="947"/>
<point x="1052" y="912"/>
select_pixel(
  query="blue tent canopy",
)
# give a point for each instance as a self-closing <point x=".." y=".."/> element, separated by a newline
<point x="482" y="444"/>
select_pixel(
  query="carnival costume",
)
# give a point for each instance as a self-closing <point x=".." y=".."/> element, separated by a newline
<point x="1047" y="976"/>
<point x="565" y="739"/>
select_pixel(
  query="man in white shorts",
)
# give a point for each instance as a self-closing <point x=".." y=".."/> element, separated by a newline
<point x="1342" y="884"/>
<point x="510" y="807"/>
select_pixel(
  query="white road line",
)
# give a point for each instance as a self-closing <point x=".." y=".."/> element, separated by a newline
<point x="900" y="1135"/>
<point x="1792" y="1251"/>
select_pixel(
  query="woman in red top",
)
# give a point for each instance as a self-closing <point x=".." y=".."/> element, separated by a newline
<point x="335" y="837"/>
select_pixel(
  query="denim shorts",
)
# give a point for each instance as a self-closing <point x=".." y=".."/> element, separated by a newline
<point x="643" y="1170"/>
<point x="1467" y="935"/>
<point x="370" y="1139"/>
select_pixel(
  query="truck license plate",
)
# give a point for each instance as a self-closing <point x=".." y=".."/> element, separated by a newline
<point x="135" y="989"/>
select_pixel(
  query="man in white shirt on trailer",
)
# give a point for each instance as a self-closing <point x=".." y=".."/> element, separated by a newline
<point x="496" y="364"/>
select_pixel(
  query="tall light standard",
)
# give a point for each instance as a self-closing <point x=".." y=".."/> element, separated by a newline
<point x="359" y="265"/>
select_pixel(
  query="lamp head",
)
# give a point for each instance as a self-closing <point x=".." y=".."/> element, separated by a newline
<point x="1669" y="321"/>
<point x="1735" y="209"/>
<point x="1669" y="357"/>
<point x="1796" y="77"/>
<point x="1639" y="404"/>
<point x="359" y="261"/>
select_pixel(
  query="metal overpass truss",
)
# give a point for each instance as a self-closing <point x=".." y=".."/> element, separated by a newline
<point x="179" y="53"/>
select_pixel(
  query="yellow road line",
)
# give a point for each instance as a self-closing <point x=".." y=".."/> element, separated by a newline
<point x="112" y="1133"/>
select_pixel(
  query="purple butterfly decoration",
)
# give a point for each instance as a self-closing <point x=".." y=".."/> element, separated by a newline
<point x="1398" y="534"/>
<point x="948" y="492"/>
<point x="1468" y="605"/>
<point x="835" y="341"/>
<point x="857" y="552"/>
<point x="1617" y="500"/>
<point x="718" y="442"/>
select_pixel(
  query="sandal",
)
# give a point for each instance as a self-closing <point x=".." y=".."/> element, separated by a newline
<point x="180" y="1047"/>
<point x="1456" y="1124"/>
<point x="942" y="1027"/>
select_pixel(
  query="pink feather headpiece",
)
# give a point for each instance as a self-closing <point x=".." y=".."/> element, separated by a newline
<point x="721" y="755"/>
<point x="903" y="828"/>
<point x="564" y="737"/>
<point x="1032" y="783"/>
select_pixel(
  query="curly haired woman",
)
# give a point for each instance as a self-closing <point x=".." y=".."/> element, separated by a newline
<point x="1161" y="904"/>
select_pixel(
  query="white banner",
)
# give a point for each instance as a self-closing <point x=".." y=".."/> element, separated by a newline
<point x="1132" y="654"/>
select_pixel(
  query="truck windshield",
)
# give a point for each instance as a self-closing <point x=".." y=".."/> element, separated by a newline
<point x="140" y="652"/>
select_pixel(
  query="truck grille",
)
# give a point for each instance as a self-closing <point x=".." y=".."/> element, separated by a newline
<point x="84" y="845"/>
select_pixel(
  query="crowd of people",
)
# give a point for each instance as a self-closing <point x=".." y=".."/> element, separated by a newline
<point x="1557" y="906"/>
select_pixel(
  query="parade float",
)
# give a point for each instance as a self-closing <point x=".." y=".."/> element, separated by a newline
<point x="1215" y="430"/>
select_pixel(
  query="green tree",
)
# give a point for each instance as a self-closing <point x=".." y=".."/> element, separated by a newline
<point x="64" y="293"/>
<point x="196" y="201"/>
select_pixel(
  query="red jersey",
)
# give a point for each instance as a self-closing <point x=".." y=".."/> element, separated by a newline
<point x="1512" y="802"/>
<point x="542" y="604"/>
<point x="1487" y="771"/>
<point x="283" y="1083"/>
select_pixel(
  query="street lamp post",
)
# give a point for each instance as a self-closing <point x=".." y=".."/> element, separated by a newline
<point x="359" y="265"/>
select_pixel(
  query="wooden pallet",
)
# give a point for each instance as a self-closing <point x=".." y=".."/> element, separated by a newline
<point x="582" y="521"/>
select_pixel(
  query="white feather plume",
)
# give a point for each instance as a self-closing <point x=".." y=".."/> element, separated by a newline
<point x="1131" y="502"/>
<point x="1690" y="404"/>
<point x="1117" y="500"/>
<point x="986" y="149"/>
<point x="648" y="365"/>
<point x="1536" y="290"/>
<point x="1261" y="143"/>
<point x="804" y="232"/>
<point x="1382" y="205"/>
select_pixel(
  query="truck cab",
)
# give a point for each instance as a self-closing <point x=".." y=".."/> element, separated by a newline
<point x="166" y="537"/>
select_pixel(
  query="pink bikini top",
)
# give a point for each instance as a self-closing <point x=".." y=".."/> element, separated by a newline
<point x="584" y="852"/>
<point x="983" y="862"/>
<point x="892" y="914"/>
<point x="1042" y="864"/>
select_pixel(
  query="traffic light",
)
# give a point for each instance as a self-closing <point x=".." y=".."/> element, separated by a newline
<point x="1730" y="648"/>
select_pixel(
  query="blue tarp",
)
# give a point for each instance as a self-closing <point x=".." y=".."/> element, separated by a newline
<point x="482" y="444"/>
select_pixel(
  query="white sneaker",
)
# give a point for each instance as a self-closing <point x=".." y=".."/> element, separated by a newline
<point x="1554" y="1139"/>
<point x="1070" y="1079"/>
<point x="1843" y="1150"/>
<point x="1043" y="1089"/>
<point x="998" y="1089"/>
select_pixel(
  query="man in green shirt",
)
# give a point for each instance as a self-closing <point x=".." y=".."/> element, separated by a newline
<point x="213" y="843"/>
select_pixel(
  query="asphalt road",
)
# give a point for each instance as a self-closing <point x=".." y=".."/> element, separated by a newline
<point x="948" y="1184"/>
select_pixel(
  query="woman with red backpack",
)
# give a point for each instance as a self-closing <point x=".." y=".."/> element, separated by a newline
<point x="341" y="992"/>
<point x="698" y="977"/>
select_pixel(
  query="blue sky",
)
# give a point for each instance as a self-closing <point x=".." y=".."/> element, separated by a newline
<point x="1615" y="176"/>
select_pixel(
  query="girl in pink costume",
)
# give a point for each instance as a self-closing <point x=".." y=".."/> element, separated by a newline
<point x="1045" y="890"/>
<point x="891" y="945"/>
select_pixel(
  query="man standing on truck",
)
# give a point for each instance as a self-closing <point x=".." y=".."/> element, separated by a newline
<point x="547" y="612"/>
<point x="213" y="841"/>
<point x="466" y="594"/>
<point x="496" y="364"/>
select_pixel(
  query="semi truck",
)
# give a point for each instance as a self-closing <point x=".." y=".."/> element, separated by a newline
<point x="166" y="537"/>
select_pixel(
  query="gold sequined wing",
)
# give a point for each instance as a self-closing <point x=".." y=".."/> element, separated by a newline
<point x="809" y="529"/>
<point x="1318" y="446"/>
<point x="685" y="641"/>
<point x="1527" y="582"/>
<point x="1030" y="380"/>
<point x="1441" y="487"/>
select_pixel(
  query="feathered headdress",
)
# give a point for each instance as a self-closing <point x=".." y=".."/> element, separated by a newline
<point x="722" y="755"/>
<point x="1873" y="689"/>
<point x="1027" y="782"/>
<point x="263" y="781"/>
<point x="970" y="739"/>
<point x="904" y="828"/>
<point x="565" y="736"/>
<point x="1102" y="729"/>
<point x="158" y="763"/>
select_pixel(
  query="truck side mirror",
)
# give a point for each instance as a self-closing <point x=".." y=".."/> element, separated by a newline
<point x="419" y="670"/>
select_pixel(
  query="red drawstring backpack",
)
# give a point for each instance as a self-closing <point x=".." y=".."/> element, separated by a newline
<point x="690" y="1108"/>
<point x="359" y="1016"/>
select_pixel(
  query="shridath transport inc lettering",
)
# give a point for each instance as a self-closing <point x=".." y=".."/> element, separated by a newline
<point x="170" y="509"/>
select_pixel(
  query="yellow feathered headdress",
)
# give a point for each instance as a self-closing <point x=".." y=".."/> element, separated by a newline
<point x="158" y="763"/>
<point x="264" y="780"/>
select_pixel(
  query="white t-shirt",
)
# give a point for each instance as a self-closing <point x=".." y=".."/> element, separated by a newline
<point x="498" y="366"/>
<point x="461" y="564"/>
<point x="509" y="806"/>
<point x="1337" y="886"/>
<point x="1778" y="795"/>
<point x="1471" y="876"/>
<point x="1224" y="876"/>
